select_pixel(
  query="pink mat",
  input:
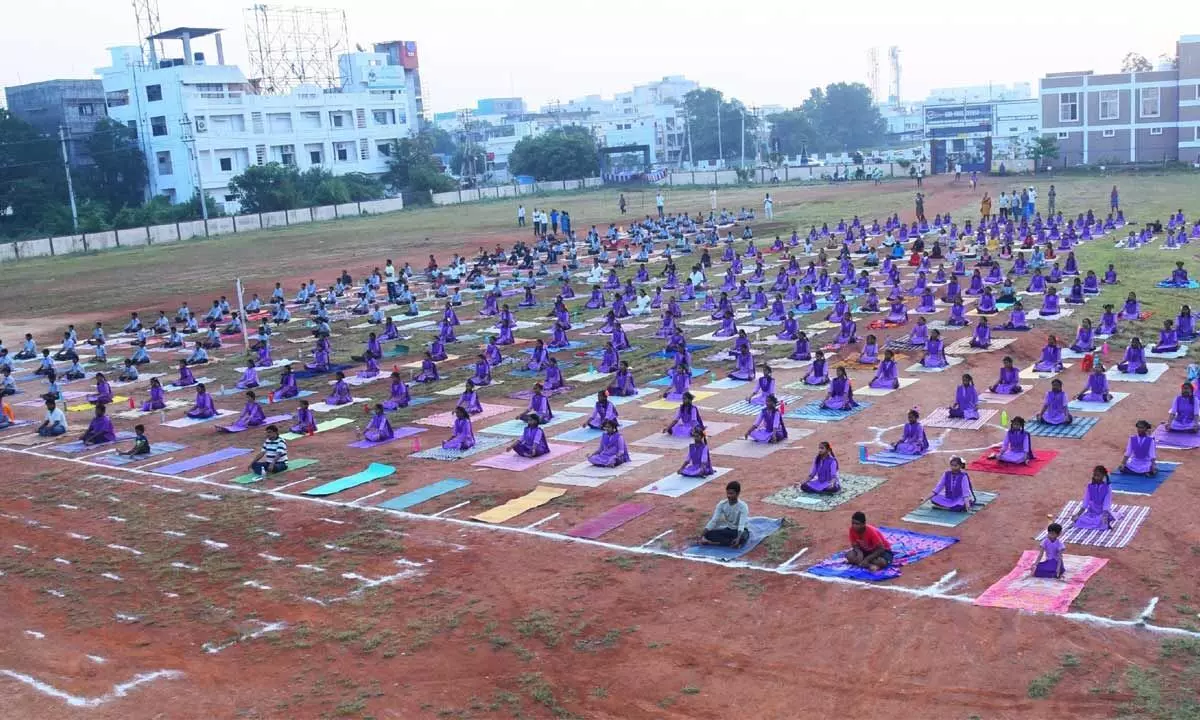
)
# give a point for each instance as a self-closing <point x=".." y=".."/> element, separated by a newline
<point x="1176" y="440"/>
<point x="509" y="460"/>
<point x="236" y="428"/>
<point x="397" y="433"/>
<point x="1020" y="591"/>
<point x="446" y="419"/>
<point x="610" y="520"/>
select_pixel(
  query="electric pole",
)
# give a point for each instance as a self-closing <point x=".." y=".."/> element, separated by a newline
<point x="688" y="126"/>
<point x="62" y="139"/>
<point x="720" y="141"/>
<point x="743" y="137"/>
<point x="186" y="124"/>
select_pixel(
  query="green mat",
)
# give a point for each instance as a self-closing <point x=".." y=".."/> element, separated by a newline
<point x="930" y="515"/>
<point x="852" y="486"/>
<point x="321" y="427"/>
<point x="374" y="471"/>
<point x="251" y="478"/>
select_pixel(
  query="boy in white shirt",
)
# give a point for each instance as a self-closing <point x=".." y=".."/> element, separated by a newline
<point x="55" y="423"/>
<point x="728" y="525"/>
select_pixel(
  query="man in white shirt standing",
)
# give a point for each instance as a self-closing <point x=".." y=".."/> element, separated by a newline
<point x="658" y="200"/>
<point x="520" y="216"/>
<point x="712" y="199"/>
<point x="769" y="207"/>
<point x="55" y="423"/>
<point x="729" y="523"/>
<point x="389" y="277"/>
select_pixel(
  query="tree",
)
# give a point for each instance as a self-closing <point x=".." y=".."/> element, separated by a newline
<point x="1042" y="148"/>
<point x="560" y="154"/>
<point x="414" y="172"/>
<point x="843" y="118"/>
<point x="33" y="188"/>
<point x="701" y="108"/>
<point x="469" y="160"/>
<point x="441" y="142"/>
<point x="267" y="188"/>
<point x="117" y="175"/>
<point x="1135" y="62"/>
<point x="791" y="132"/>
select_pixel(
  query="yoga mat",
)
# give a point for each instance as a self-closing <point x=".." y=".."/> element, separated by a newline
<point x="446" y="419"/>
<point x="421" y="494"/>
<point x="515" y="427"/>
<point x="321" y="427"/>
<point x="813" y="411"/>
<point x="962" y="346"/>
<point x="397" y="434"/>
<point x="324" y="407"/>
<point x="235" y="428"/>
<point x="789" y="364"/>
<point x="136" y="414"/>
<point x="940" y="418"/>
<point x="1168" y="440"/>
<point x="298" y="396"/>
<point x="461" y="388"/>
<point x="1076" y="430"/>
<point x="746" y="408"/>
<point x="1141" y="484"/>
<point x="307" y="374"/>
<point x="587" y="377"/>
<point x="724" y="384"/>
<point x="1030" y="374"/>
<point x="745" y="448"/>
<point x="760" y="529"/>
<point x="1018" y="590"/>
<point x="158" y="448"/>
<point x="416" y="364"/>
<point x="1154" y="372"/>
<point x="77" y="446"/>
<point x="1180" y="352"/>
<point x="374" y="471"/>
<point x="991" y="397"/>
<point x="587" y="435"/>
<point x="275" y="365"/>
<point x="1129" y="519"/>
<point x="676" y="485"/>
<point x="483" y="443"/>
<point x="528" y="394"/>
<point x="664" y="404"/>
<point x="691" y="347"/>
<point x="665" y="380"/>
<point x="84" y="407"/>
<point x="182" y="466"/>
<point x="1192" y="284"/>
<point x="928" y="514"/>
<point x="868" y="391"/>
<point x="509" y="460"/>
<point x="951" y="361"/>
<point x="172" y="387"/>
<point x="889" y="458"/>
<point x="1043" y="457"/>
<point x="676" y="442"/>
<point x="185" y="421"/>
<point x="908" y="546"/>
<point x="296" y="464"/>
<point x="589" y="401"/>
<point x="609" y="520"/>
<point x="1099" y="407"/>
<point x="586" y="474"/>
<point x="713" y="337"/>
<point x="537" y="497"/>
<point x="852" y="486"/>
<point x="260" y="389"/>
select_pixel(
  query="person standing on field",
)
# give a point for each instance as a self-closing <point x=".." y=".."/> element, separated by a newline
<point x="621" y="203"/>
<point x="1051" y="199"/>
<point x="520" y="216"/>
<point x="660" y="202"/>
<point x="769" y="207"/>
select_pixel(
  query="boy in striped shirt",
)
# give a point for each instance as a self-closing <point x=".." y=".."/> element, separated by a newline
<point x="273" y="457"/>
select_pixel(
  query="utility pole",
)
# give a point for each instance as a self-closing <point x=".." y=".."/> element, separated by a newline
<point x="62" y="139"/>
<point x="190" y="139"/>
<point x="688" y="126"/>
<point x="743" y="137"/>
<point x="720" y="142"/>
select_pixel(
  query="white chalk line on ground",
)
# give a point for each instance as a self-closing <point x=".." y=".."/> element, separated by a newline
<point x="118" y="691"/>
<point x="1079" y="617"/>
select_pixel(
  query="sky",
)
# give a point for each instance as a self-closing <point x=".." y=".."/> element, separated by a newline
<point x="769" y="53"/>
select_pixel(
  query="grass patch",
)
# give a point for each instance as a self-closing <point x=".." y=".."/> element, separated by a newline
<point x="748" y="584"/>
<point x="690" y="690"/>
<point x="540" y="624"/>
<point x="1041" y="686"/>
<point x="537" y="688"/>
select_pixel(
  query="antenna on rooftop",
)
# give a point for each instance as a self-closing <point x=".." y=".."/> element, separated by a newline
<point x="291" y="46"/>
<point x="148" y="24"/>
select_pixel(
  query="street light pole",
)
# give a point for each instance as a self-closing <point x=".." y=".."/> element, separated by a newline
<point x="185" y="123"/>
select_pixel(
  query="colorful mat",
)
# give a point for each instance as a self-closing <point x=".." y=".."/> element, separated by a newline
<point x="137" y="414"/>
<point x="665" y="381"/>
<point x="951" y="361"/>
<point x="158" y="448"/>
<point x="236" y="428"/>
<point x="84" y="407"/>
<point x="726" y="384"/>
<point x="940" y="418"/>
<point x="585" y="474"/>
<point x="746" y="448"/>
<point x="324" y="407"/>
<point x="1129" y="519"/>
<point x="1168" y="440"/>
<point x="446" y="419"/>
<point x="1154" y="372"/>
<point x="995" y="399"/>
<point x="712" y="428"/>
<point x="1141" y="484"/>
<point x="760" y="529"/>
<point x="374" y="471"/>
<point x="748" y="409"/>
<point x="536" y="498"/>
<point x="889" y="458"/>
<point x="868" y="391"/>
<point x="421" y="494"/>
<point x="182" y="466"/>
<point x="1076" y="430"/>
<point x="929" y="514"/>
<point x="483" y="443"/>
<point x="588" y="401"/>
<point x="664" y="404"/>
<point x="587" y="434"/>
<point x="1097" y="407"/>
<point x="293" y="464"/>
<point x="1030" y="374"/>
<point x="908" y="546"/>
<point x="610" y="520"/>
<point x="508" y="460"/>
<point x="1019" y="590"/>
<point x="322" y="426"/>
<point x="589" y="376"/>
<point x="186" y="421"/>
<point x="515" y="427"/>
<point x="77" y="446"/>
<point x="962" y="346"/>
<point x="676" y="485"/>
<point x="813" y="411"/>
<point x="852" y="486"/>
<point x="1176" y="354"/>
<point x="397" y="434"/>
<point x="1043" y="457"/>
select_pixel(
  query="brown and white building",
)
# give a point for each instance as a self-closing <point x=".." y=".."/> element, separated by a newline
<point x="1132" y="117"/>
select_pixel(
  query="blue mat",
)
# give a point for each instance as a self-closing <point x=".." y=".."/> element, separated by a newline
<point x="571" y="345"/>
<point x="302" y="394"/>
<point x="814" y="411"/>
<point x="760" y="528"/>
<point x="664" y="355"/>
<point x="158" y="448"/>
<point x="1140" y="484"/>
<point x="1192" y="285"/>
<point x="666" y="381"/>
<point x="580" y="435"/>
<point x="374" y="471"/>
<point x="888" y="458"/>
<point x="308" y="374"/>
<point x="1077" y="429"/>
<point x="908" y="547"/>
<point x="420" y="495"/>
<point x="516" y="427"/>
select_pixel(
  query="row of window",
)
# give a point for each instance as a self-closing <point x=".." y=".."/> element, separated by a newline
<point x="1149" y="104"/>
<point x="1064" y="134"/>
<point x="232" y="161"/>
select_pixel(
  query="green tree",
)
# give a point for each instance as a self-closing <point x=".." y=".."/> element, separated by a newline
<point x="843" y="118"/>
<point x="792" y="132"/>
<point x="414" y="172"/>
<point x="469" y="156"/>
<point x="117" y="175"/>
<point x="268" y="188"/>
<point x="560" y="154"/>
<point x="1043" y="148"/>
<point x="440" y="141"/>
<point x="701" y="108"/>
<point x="361" y="186"/>
<point x="33" y="189"/>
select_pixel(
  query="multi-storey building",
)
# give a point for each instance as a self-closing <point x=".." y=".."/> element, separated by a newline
<point x="74" y="106"/>
<point x="1151" y="116"/>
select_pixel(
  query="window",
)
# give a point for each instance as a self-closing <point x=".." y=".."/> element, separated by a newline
<point x="158" y="125"/>
<point x="284" y="154"/>
<point x="314" y="157"/>
<point x="1150" y="101"/>
<point x="1156" y="131"/>
<point x="1110" y="104"/>
<point x="384" y="149"/>
<point x="231" y="198"/>
<point x="132" y="125"/>
<point x="87" y="109"/>
<point x="1014" y="129"/>
<point x="1109" y="133"/>
<point x="226" y="164"/>
<point x="342" y="151"/>
<point x="336" y="119"/>
<point x="164" y="162"/>
<point x="1068" y="107"/>
<point x="153" y="93"/>
<point x="1063" y="135"/>
<point x="117" y="98"/>
<point x="384" y="117"/>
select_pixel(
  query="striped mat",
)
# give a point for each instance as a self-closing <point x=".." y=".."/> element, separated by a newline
<point x="743" y="407"/>
<point x="814" y="411"/>
<point x="1129" y="519"/>
<point x="1076" y="430"/>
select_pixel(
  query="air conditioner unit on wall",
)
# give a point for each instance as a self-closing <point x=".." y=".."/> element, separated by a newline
<point x="201" y="125"/>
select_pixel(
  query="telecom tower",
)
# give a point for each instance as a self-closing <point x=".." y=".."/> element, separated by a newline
<point x="873" y="74"/>
<point x="291" y="46"/>
<point x="894" y="86"/>
<point x="148" y="24"/>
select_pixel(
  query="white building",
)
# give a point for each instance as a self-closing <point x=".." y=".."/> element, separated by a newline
<point x="205" y="122"/>
<point x="650" y="115"/>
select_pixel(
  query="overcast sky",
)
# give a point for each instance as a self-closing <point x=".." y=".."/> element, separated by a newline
<point x="543" y="50"/>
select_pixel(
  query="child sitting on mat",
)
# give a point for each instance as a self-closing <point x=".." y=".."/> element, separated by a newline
<point x="341" y="391"/>
<point x="687" y="418"/>
<point x="1095" y="511"/>
<point x="469" y="399"/>
<point x="141" y="444"/>
<point x="768" y="427"/>
<point x="728" y="526"/>
<point x="954" y="491"/>
<point x="602" y="412"/>
<point x="306" y="422"/>
<point x="966" y="400"/>
<point x="1184" y="416"/>
<point x="1054" y="409"/>
<point x="462" y="435"/>
<point x="698" y="462"/>
<point x="1049" y="562"/>
<point x="1017" y="448"/>
<point x="100" y="429"/>
<point x="199" y="356"/>
<point x="868" y="547"/>
<point x="1010" y="379"/>
<point x="913" y="441"/>
<point x="533" y="440"/>
<point x="823" y="476"/>
<point x="1140" y="452"/>
<point x="252" y="413"/>
<point x="612" y="451"/>
<point x="203" y="407"/>
<point x="379" y="429"/>
<point x="539" y="405"/>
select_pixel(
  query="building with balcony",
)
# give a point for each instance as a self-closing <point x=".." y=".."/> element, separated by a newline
<point x="75" y="106"/>
<point x="201" y="123"/>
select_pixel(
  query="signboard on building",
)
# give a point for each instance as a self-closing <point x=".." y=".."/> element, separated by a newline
<point x="961" y="114"/>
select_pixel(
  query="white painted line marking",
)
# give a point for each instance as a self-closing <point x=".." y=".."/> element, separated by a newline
<point x="294" y="482"/>
<point x="208" y="496"/>
<point x="62" y="561"/>
<point x="77" y="536"/>
<point x="365" y="497"/>
<point x="57" y="593"/>
<point x="194" y="516"/>
<point x="111" y="576"/>
<point x="22" y="547"/>
<point x="313" y="568"/>
<point x="440" y="513"/>
<point x="656" y="538"/>
<point x="97" y="659"/>
<point x="267" y="628"/>
<point x="114" y="546"/>
<point x="184" y="566"/>
<point x="1146" y="613"/>
<point x="164" y="488"/>
<point x="34" y="634"/>
<point x="117" y="691"/>
<point x="217" y="472"/>
<point x="116" y="518"/>
<point x="216" y="545"/>
<point x="65" y="506"/>
<point x="332" y="521"/>
<point x="788" y="563"/>
<point x="157" y="462"/>
<point x="544" y="520"/>
<point x="256" y="585"/>
<point x="270" y="558"/>
<point x="174" y="533"/>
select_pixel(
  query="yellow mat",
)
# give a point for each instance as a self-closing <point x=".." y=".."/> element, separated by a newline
<point x="321" y="427"/>
<point x="663" y="404"/>
<point x="82" y="407"/>
<point x="509" y="510"/>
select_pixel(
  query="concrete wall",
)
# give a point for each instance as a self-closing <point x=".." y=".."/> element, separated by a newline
<point x="297" y="217"/>
<point x="378" y="207"/>
<point x="194" y="228"/>
<point x="163" y="234"/>
<point x="246" y="223"/>
<point x="325" y="212"/>
<point x="269" y="220"/>
<point x="34" y="248"/>
<point x="347" y="210"/>
<point x="102" y="241"/>
<point x="221" y="226"/>
<point x="68" y="244"/>
<point x="132" y="237"/>
<point x="8" y="252"/>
